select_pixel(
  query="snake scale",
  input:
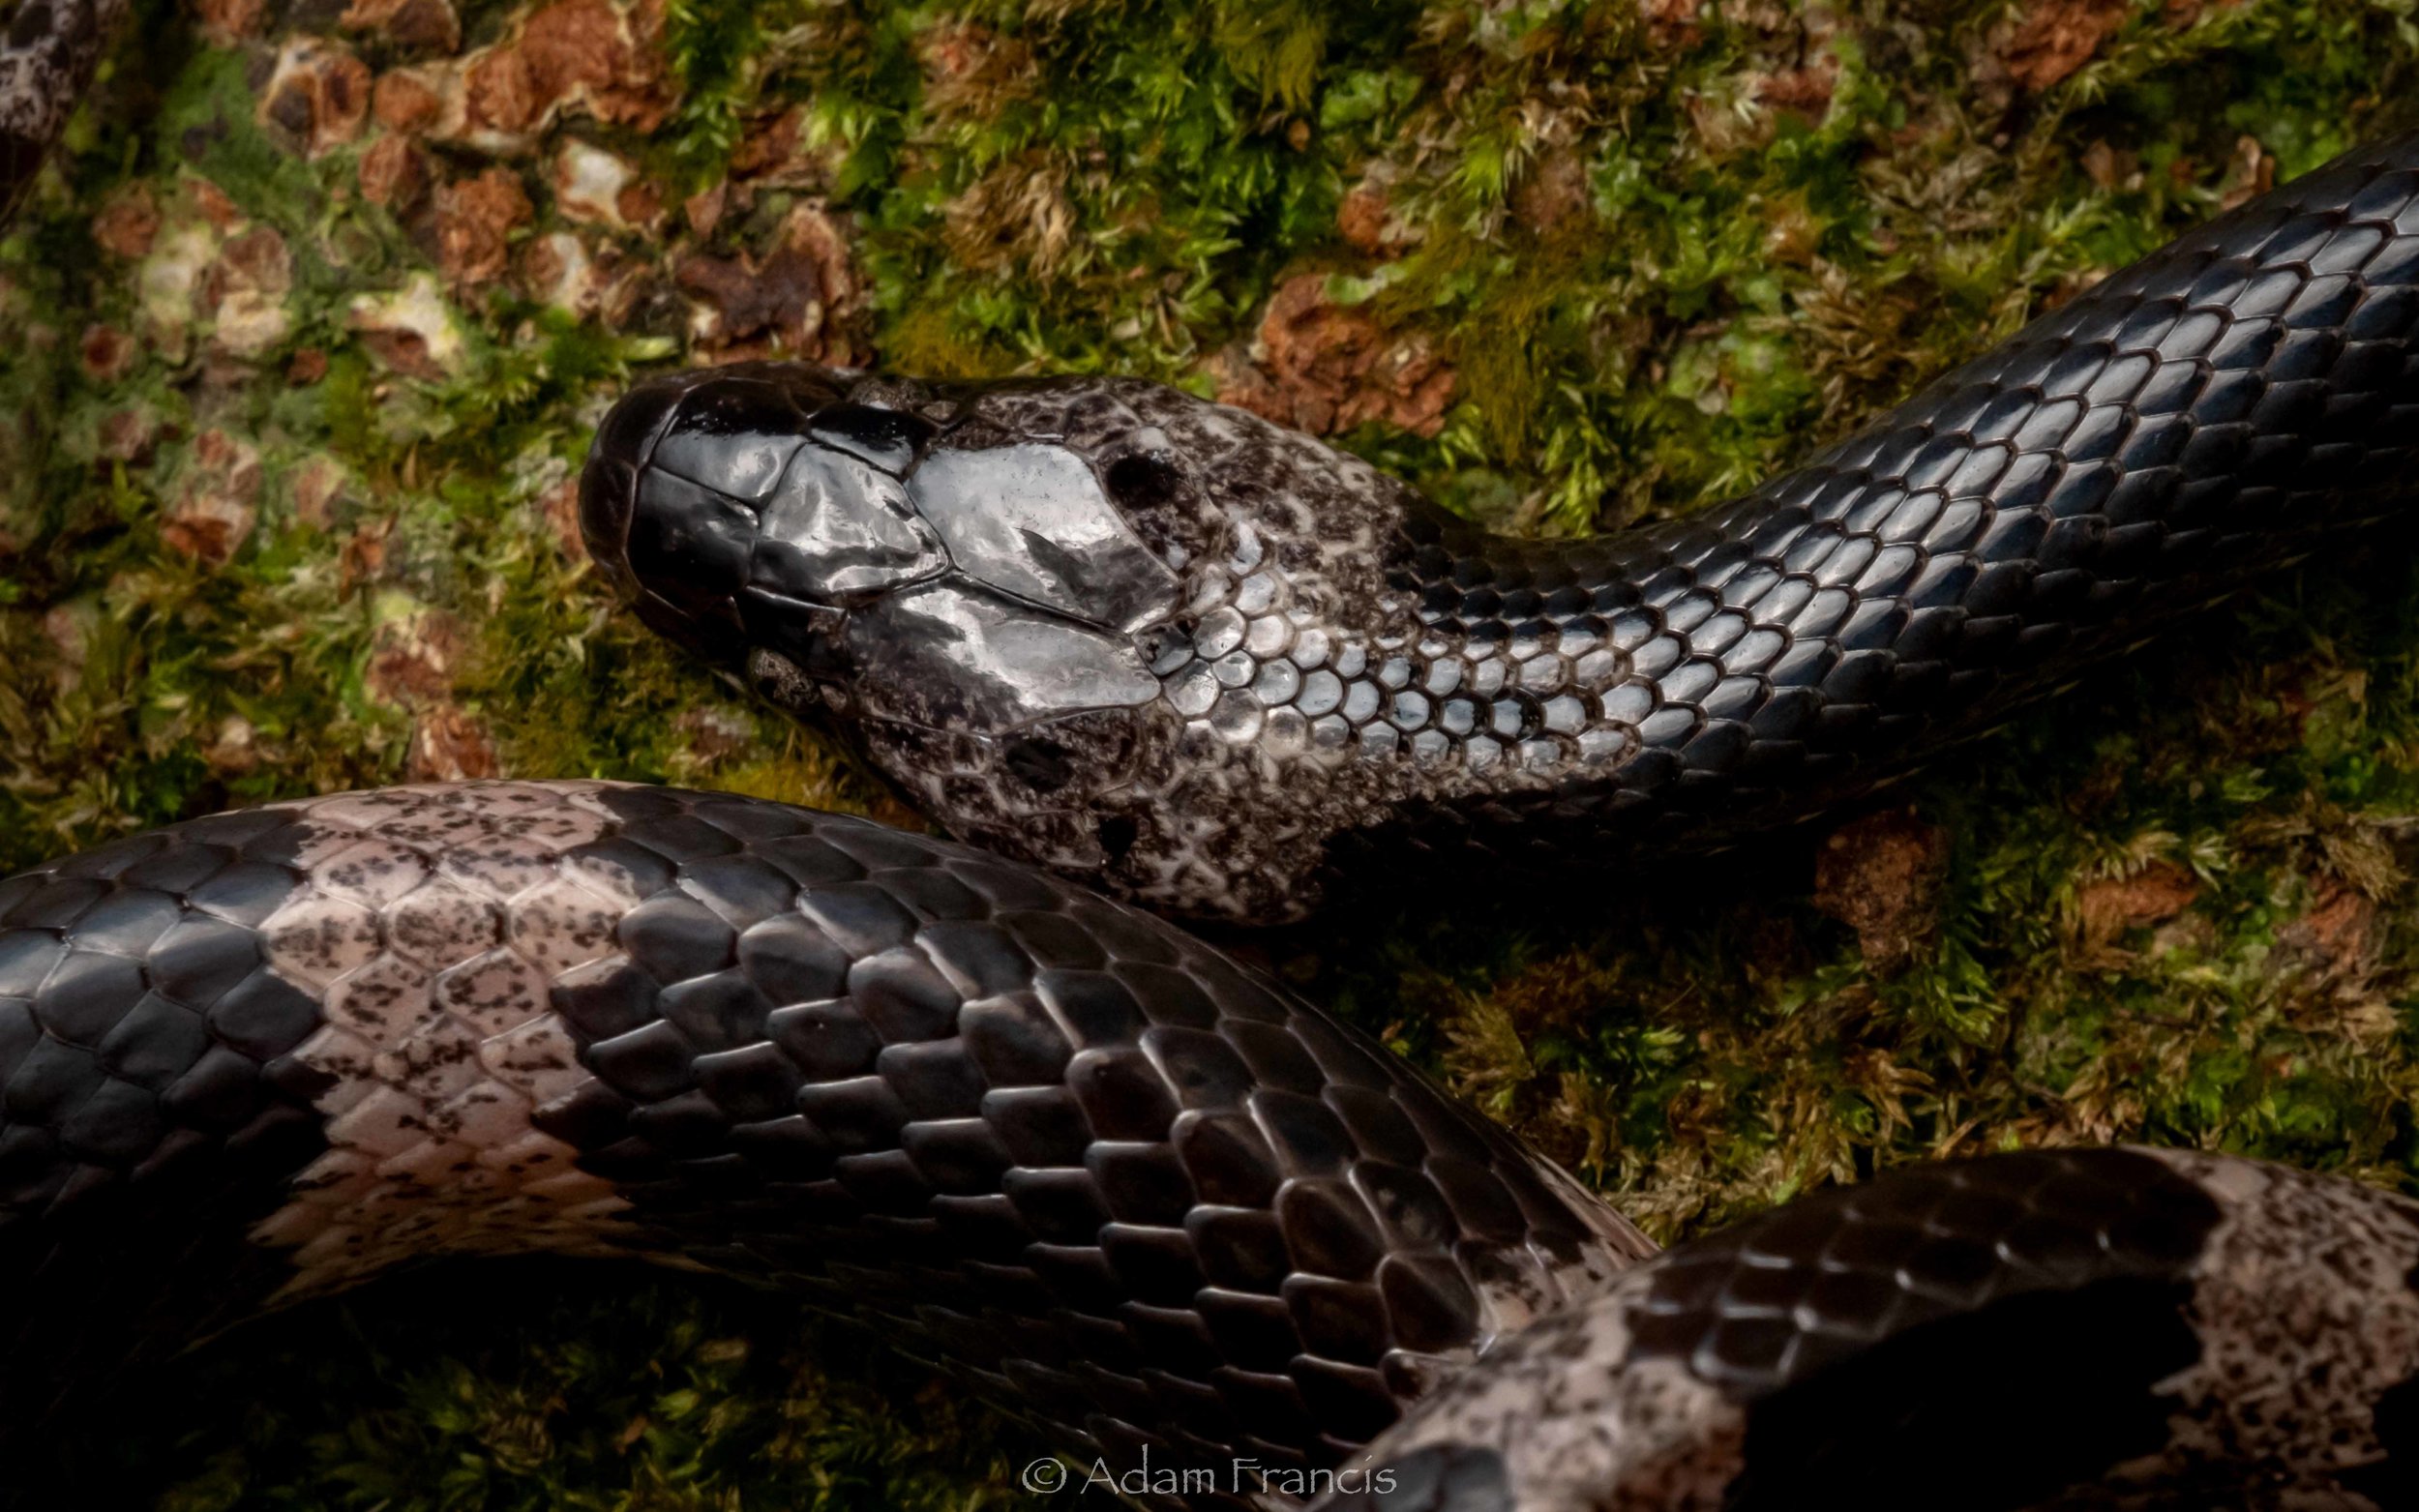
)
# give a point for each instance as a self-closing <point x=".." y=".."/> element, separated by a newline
<point x="1218" y="1243"/>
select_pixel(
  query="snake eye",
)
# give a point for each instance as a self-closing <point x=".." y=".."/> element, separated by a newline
<point x="1143" y="480"/>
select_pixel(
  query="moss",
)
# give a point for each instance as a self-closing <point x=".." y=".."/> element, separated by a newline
<point x="1666" y="249"/>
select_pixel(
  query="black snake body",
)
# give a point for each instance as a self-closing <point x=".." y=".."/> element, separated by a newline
<point x="1211" y="664"/>
<point x="1126" y="1187"/>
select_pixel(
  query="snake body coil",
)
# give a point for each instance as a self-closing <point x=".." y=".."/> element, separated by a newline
<point x="1125" y="1188"/>
<point x="1208" y="662"/>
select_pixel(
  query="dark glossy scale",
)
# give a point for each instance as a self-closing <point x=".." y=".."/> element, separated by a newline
<point x="1128" y="1189"/>
<point x="1215" y="665"/>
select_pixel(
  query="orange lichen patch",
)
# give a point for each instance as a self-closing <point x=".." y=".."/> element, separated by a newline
<point x="2053" y="38"/>
<point x="1881" y="876"/>
<point x="574" y="54"/>
<point x="214" y="510"/>
<point x="128" y="222"/>
<point x="415" y="25"/>
<point x="476" y="219"/>
<point x="393" y="174"/>
<point x="319" y="98"/>
<point x="2110" y="906"/>
<point x="801" y="299"/>
<point x="1324" y="367"/>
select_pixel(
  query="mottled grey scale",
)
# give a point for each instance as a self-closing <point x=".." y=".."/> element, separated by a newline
<point x="2146" y="1329"/>
<point x="1128" y="1189"/>
<point x="2210" y="412"/>
<point x="47" y="55"/>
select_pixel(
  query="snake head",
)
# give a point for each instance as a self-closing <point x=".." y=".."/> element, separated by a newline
<point x="969" y="604"/>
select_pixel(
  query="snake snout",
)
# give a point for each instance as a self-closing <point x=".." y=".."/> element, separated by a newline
<point x="744" y="509"/>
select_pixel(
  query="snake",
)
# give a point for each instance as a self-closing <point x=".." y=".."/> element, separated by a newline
<point x="1145" y="655"/>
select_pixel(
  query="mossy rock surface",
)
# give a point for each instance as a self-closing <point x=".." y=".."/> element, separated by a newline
<point x="312" y="317"/>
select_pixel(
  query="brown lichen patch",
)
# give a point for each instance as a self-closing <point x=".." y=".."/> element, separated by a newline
<point x="2053" y="38"/>
<point x="1324" y="367"/>
<point x="411" y="330"/>
<point x="800" y="299"/>
<point x="2338" y="933"/>
<point x="2152" y="894"/>
<point x="1881" y="876"/>
<point x="449" y="745"/>
<point x="235" y="749"/>
<point x="559" y="506"/>
<point x="1554" y="190"/>
<point x="410" y="99"/>
<point x="416" y="659"/>
<point x="244" y="293"/>
<point x="106" y="353"/>
<point x="476" y="219"/>
<point x="393" y="174"/>
<point x="574" y="54"/>
<point x="128" y="222"/>
<point x="130" y="435"/>
<point x="2249" y="173"/>
<point x="312" y="488"/>
<point x="215" y="507"/>
<point x="422" y="26"/>
<point x="602" y="187"/>
<point x="318" y="99"/>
